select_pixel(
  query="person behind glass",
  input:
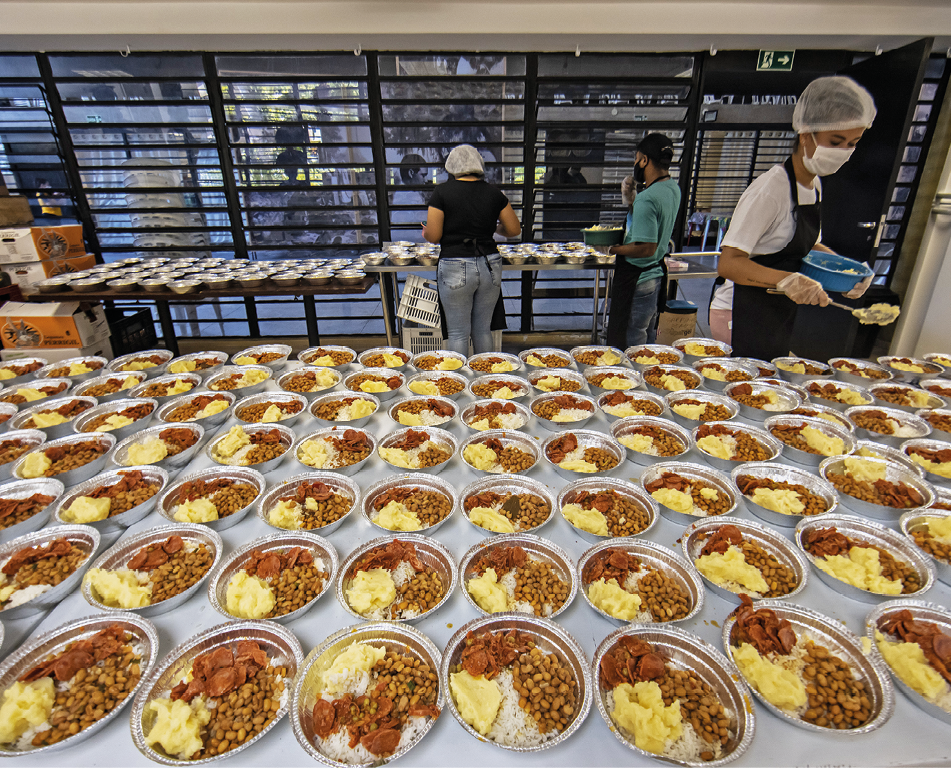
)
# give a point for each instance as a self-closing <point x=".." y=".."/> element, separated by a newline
<point x="636" y="292"/>
<point x="778" y="220"/>
<point x="464" y="213"/>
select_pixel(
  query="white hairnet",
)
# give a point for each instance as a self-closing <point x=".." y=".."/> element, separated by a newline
<point x="833" y="104"/>
<point x="465" y="160"/>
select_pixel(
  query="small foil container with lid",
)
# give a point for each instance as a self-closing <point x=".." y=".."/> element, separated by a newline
<point x="537" y="548"/>
<point x="728" y="366"/>
<point x="587" y="438"/>
<point x="81" y="422"/>
<point x="311" y="353"/>
<point x="120" y="394"/>
<point x="536" y="375"/>
<point x="468" y="413"/>
<point x="782" y="473"/>
<point x="913" y="521"/>
<point x="711" y="477"/>
<point x="142" y="389"/>
<point x="514" y="484"/>
<point x="558" y="426"/>
<point x="517" y="384"/>
<point x="122" y="551"/>
<point x="549" y="637"/>
<point x="628" y="425"/>
<point x="336" y="482"/>
<point x="600" y="349"/>
<point x="827" y="428"/>
<point x="226" y="371"/>
<point x="920" y="611"/>
<point x="540" y="352"/>
<point x="443" y="439"/>
<point x="512" y="360"/>
<point x="761" y="436"/>
<point x="335" y="431"/>
<point x="894" y="455"/>
<point x="55" y="284"/>
<point x="685" y="651"/>
<point x="168" y="500"/>
<point x="284" y="350"/>
<point x="36" y="650"/>
<point x="766" y="368"/>
<point x="385" y="350"/>
<point x="271" y="397"/>
<point x="76" y="475"/>
<point x="833" y="635"/>
<point x="282" y="648"/>
<point x="934" y="401"/>
<point x="905" y="420"/>
<point x="680" y="344"/>
<point x="287" y="440"/>
<point x="21" y="361"/>
<point x="657" y="558"/>
<point x="24" y="489"/>
<point x="508" y="438"/>
<point x="630" y="492"/>
<point x="907" y="448"/>
<point x="117" y="365"/>
<point x="776" y="544"/>
<point x="824" y="412"/>
<point x="22" y="418"/>
<point x="307" y="690"/>
<point x="844" y="374"/>
<point x="651" y="350"/>
<point x="794" y="377"/>
<point x="112" y="526"/>
<point x="874" y="533"/>
<point x="285" y="378"/>
<point x="222" y="572"/>
<point x="640" y="395"/>
<point x="417" y="480"/>
<point x="674" y="398"/>
<point x="430" y="552"/>
<point x="333" y="397"/>
<point x="82" y="537"/>
<point x="382" y="373"/>
<point x="788" y="400"/>
<point x="120" y="454"/>
<point x="894" y="473"/>
<point x="392" y="410"/>
<point x="931" y="370"/>
<point x="633" y="377"/>
<point x="695" y="377"/>
<point x="164" y="413"/>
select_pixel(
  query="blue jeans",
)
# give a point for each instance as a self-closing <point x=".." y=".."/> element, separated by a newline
<point x="469" y="290"/>
<point x="642" y="325"/>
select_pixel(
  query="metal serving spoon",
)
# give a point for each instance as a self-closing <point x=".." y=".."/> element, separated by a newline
<point x="877" y="314"/>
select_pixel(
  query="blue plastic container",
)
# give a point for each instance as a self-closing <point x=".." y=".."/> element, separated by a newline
<point x="835" y="273"/>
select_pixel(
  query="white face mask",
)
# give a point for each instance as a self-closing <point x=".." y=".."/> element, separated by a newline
<point x="826" y="160"/>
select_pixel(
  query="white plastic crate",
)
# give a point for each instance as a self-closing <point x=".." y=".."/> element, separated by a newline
<point x="419" y="302"/>
<point x="416" y="340"/>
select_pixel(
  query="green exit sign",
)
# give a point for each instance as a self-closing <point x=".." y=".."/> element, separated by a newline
<point x="775" y="61"/>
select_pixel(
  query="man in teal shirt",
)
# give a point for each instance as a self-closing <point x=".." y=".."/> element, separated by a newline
<point x="639" y="272"/>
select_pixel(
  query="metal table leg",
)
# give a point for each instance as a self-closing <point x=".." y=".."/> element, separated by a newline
<point x="168" y="328"/>
<point x="251" y="312"/>
<point x="385" y="301"/>
<point x="310" y="316"/>
<point x="594" y="311"/>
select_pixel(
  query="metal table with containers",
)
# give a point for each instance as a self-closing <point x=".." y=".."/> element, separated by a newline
<point x="909" y="737"/>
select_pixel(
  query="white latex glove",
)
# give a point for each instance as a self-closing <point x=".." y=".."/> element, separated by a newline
<point x="628" y="193"/>
<point x="803" y="290"/>
<point x="605" y="249"/>
<point x="859" y="290"/>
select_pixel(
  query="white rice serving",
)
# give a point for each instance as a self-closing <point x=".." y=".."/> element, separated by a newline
<point x="507" y="420"/>
<point x="513" y="726"/>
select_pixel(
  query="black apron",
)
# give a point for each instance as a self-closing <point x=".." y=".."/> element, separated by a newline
<point x="763" y="322"/>
<point x="625" y="280"/>
<point x="480" y="250"/>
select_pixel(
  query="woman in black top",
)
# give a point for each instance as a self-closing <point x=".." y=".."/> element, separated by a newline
<point x="464" y="213"/>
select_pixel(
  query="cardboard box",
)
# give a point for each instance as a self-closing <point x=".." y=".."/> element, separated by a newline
<point x="41" y="326"/>
<point x="15" y="211"/>
<point x="41" y="243"/>
<point x="100" y="348"/>
<point x="27" y="273"/>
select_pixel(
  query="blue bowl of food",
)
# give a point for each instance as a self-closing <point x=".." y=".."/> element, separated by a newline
<point x="834" y="272"/>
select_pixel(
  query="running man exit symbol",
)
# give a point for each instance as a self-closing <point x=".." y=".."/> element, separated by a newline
<point x="775" y="61"/>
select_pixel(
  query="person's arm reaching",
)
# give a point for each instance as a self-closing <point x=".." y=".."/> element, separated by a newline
<point x="634" y="250"/>
<point x="508" y="223"/>
<point x="432" y="230"/>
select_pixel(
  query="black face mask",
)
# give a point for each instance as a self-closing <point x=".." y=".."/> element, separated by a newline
<point x="639" y="177"/>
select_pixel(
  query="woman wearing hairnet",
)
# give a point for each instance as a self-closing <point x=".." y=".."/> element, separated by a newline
<point x="778" y="221"/>
<point x="464" y="213"/>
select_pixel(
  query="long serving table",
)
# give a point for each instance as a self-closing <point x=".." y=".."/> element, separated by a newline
<point x="909" y="738"/>
<point x="162" y="299"/>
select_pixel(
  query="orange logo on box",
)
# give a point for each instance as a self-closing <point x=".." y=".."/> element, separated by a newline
<point x="21" y="334"/>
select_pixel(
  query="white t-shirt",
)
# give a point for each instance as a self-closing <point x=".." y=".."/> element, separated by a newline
<point x="762" y="222"/>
